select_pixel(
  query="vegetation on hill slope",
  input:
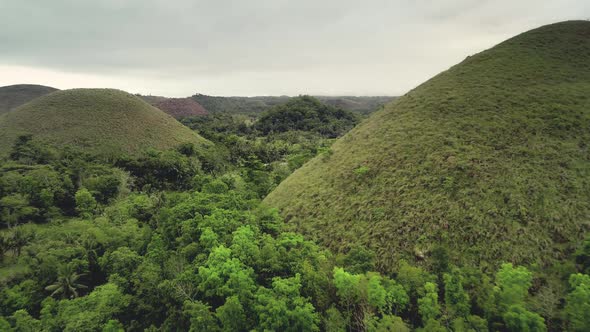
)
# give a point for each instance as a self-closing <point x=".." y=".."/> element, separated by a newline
<point x="362" y="105"/>
<point x="489" y="159"/>
<point x="238" y="105"/>
<point x="306" y="113"/>
<point x="181" y="107"/>
<point x="101" y="121"/>
<point x="13" y="96"/>
<point x="256" y="105"/>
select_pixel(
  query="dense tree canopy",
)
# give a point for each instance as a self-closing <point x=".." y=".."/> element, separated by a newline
<point x="306" y="113"/>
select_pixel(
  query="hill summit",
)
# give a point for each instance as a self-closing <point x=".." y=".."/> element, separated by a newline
<point x="13" y="96"/>
<point x="101" y="121"/>
<point x="489" y="159"/>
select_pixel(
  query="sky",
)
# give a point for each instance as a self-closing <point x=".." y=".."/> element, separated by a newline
<point x="178" y="48"/>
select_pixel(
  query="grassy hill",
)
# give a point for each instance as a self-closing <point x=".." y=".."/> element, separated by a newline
<point x="13" y="96"/>
<point x="490" y="158"/>
<point x="101" y="121"/>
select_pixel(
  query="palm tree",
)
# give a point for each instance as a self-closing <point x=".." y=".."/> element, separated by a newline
<point x="66" y="283"/>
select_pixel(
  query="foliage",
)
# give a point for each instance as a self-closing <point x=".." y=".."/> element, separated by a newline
<point x="252" y="106"/>
<point x="428" y="305"/>
<point x="578" y="302"/>
<point x="306" y="113"/>
<point x="85" y="203"/>
<point x="67" y="283"/>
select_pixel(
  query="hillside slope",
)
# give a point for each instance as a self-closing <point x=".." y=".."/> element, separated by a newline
<point x="13" y="96"/>
<point x="489" y="158"/>
<point x="101" y="121"/>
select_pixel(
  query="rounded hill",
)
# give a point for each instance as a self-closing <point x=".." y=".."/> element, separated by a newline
<point x="181" y="107"/>
<point x="13" y="96"/>
<point x="306" y="113"/>
<point x="490" y="159"/>
<point x="101" y="121"/>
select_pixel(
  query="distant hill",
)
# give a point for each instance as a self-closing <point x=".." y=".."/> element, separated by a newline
<point x="255" y="105"/>
<point x="363" y="105"/>
<point x="101" y="121"/>
<point x="490" y="159"/>
<point x="240" y="105"/>
<point x="152" y="100"/>
<point x="306" y="113"/>
<point x="181" y="107"/>
<point x="13" y="96"/>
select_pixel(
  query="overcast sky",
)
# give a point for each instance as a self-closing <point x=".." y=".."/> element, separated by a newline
<point x="256" y="47"/>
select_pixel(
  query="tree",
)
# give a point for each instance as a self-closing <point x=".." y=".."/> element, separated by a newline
<point x="456" y="298"/>
<point x="93" y="311"/>
<point x="28" y="152"/>
<point x="512" y="285"/>
<point x="577" y="306"/>
<point x="511" y="290"/>
<point x="245" y="246"/>
<point x="347" y="286"/>
<point x="23" y="322"/>
<point x="200" y="317"/>
<point x="334" y="321"/>
<point x="388" y="323"/>
<point x="413" y="278"/>
<point x="85" y="203"/>
<point x="208" y="239"/>
<point x="360" y="260"/>
<point x="123" y="261"/>
<point x="15" y="208"/>
<point x="21" y="296"/>
<point x="583" y="256"/>
<point x="231" y="315"/>
<point x="432" y="325"/>
<point x="156" y="250"/>
<point x="67" y="283"/>
<point x="224" y="276"/>
<point x="113" y="326"/>
<point x="428" y="305"/>
<point x="283" y="309"/>
<point x="17" y="238"/>
<point x="517" y="318"/>
<point x="376" y="293"/>
<point x="4" y="324"/>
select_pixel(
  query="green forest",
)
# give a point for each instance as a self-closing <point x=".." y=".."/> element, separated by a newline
<point x="296" y="214"/>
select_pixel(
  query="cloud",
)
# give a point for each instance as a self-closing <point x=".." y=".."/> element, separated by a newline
<point x="259" y="46"/>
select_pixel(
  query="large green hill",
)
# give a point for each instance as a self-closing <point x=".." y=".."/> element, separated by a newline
<point x="101" y="121"/>
<point x="13" y="96"/>
<point x="490" y="158"/>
